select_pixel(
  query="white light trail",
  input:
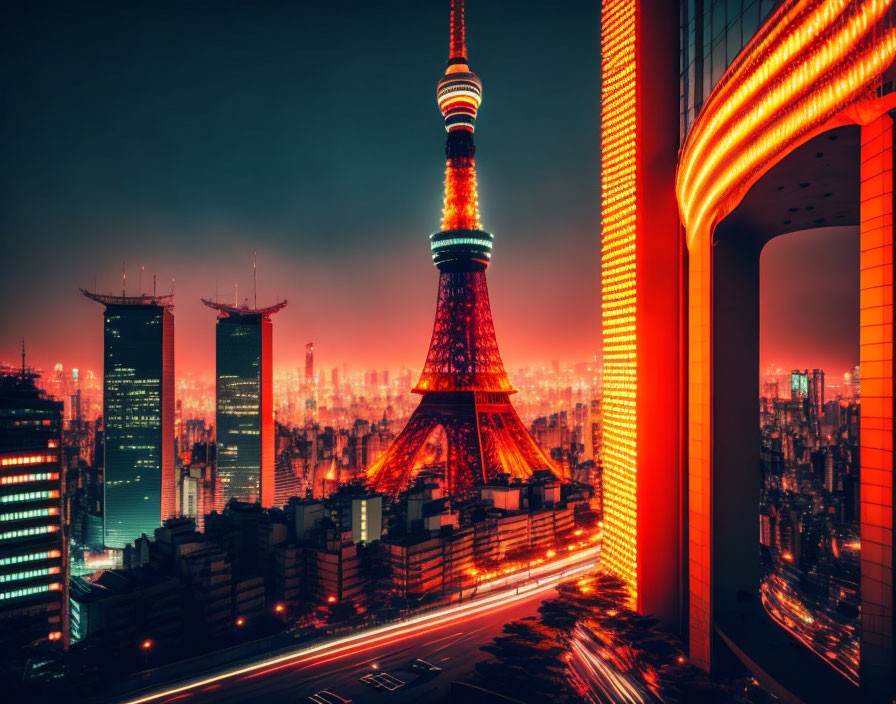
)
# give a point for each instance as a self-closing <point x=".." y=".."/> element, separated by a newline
<point x="403" y="628"/>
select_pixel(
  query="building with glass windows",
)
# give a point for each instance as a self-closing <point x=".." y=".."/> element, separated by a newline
<point x="760" y="119"/>
<point x="244" y="403"/>
<point x="138" y="415"/>
<point x="33" y="559"/>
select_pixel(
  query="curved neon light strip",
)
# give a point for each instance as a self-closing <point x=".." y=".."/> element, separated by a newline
<point x="441" y="244"/>
<point x="774" y="95"/>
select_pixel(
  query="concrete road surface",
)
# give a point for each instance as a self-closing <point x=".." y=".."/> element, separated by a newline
<point x="452" y="645"/>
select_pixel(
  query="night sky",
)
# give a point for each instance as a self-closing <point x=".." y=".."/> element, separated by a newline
<point x="182" y="136"/>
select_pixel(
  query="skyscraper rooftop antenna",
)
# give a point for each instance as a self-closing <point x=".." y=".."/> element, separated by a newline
<point x="140" y="299"/>
<point x="226" y="310"/>
<point x="23" y="357"/>
<point x="140" y="280"/>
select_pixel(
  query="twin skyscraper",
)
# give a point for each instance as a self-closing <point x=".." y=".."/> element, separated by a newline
<point x="138" y="410"/>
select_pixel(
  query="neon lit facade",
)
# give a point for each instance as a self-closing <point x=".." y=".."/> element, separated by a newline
<point x="33" y="554"/>
<point x="758" y="81"/>
<point x="810" y="67"/>
<point x="640" y="268"/>
<point x="619" y="289"/>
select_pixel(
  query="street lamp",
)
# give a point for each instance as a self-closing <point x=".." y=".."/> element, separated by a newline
<point x="241" y="622"/>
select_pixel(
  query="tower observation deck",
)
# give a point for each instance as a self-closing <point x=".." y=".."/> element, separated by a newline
<point x="464" y="385"/>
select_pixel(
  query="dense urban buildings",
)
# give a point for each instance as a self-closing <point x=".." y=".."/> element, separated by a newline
<point x="809" y="531"/>
<point x="653" y="490"/>
<point x="138" y="415"/>
<point x="33" y="551"/>
<point x="244" y="402"/>
<point x="465" y="389"/>
<point x="780" y="124"/>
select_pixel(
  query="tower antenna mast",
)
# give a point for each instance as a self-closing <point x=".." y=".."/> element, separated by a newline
<point x="458" y="31"/>
<point x="254" y="279"/>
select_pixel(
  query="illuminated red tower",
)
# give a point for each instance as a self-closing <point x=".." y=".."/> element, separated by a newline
<point x="465" y="389"/>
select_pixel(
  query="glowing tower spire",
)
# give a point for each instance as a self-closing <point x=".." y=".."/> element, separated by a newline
<point x="464" y="386"/>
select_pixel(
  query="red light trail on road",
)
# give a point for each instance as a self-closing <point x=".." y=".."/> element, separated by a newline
<point x="396" y="631"/>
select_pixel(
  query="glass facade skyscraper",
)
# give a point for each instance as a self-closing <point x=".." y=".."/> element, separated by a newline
<point x="241" y="343"/>
<point x="713" y="32"/>
<point x="244" y="403"/>
<point x="138" y="416"/>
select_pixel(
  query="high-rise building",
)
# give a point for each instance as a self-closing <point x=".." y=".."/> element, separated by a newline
<point x="244" y="402"/>
<point x="799" y="385"/>
<point x="642" y="257"/>
<point x="465" y="388"/>
<point x="816" y="390"/>
<point x="33" y="556"/>
<point x="309" y="363"/>
<point x="138" y="415"/>
<point x="760" y="119"/>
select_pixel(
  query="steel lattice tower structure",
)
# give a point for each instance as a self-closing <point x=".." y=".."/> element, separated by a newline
<point x="465" y="389"/>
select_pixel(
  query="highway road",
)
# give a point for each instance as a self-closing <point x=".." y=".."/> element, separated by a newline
<point x="449" y="638"/>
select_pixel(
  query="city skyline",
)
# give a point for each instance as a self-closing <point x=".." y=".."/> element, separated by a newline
<point x="203" y="227"/>
<point x="336" y="195"/>
<point x="683" y="203"/>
